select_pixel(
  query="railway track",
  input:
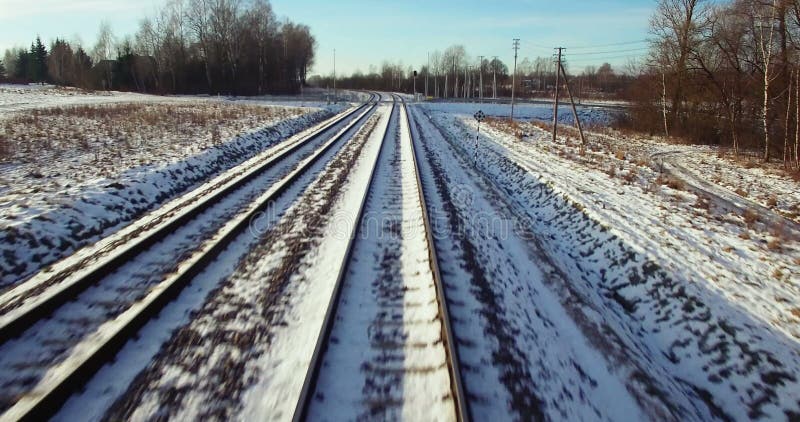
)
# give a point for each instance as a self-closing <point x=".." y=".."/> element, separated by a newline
<point x="29" y="310"/>
<point x="403" y="348"/>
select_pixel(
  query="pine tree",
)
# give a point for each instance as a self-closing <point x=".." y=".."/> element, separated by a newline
<point x="23" y="63"/>
<point x="2" y="72"/>
<point x="38" y="62"/>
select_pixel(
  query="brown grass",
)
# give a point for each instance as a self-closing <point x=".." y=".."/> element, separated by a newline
<point x="741" y="192"/>
<point x="631" y="175"/>
<point x="795" y="312"/>
<point x="777" y="273"/>
<point x="672" y="182"/>
<point x="774" y="244"/>
<point x="620" y="154"/>
<point x="744" y="235"/>
<point x="750" y="216"/>
<point x="772" y="201"/>
<point x="123" y="126"/>
<point x="702" y="203"/>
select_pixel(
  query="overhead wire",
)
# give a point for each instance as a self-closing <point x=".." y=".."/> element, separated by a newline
<point x="595" y="53"/>
<point x="585" y="47"/>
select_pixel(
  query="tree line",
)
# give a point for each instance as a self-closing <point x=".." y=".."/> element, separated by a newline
<point x="453" y="73"/>
<point x="724" y="72"/>
<point x="189" y="47"/>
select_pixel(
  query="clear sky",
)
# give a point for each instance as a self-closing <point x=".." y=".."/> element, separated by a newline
<point x="365" y="32"/>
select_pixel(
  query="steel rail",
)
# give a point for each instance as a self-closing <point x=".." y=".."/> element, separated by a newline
<point x="71" y="281"/>
<point x="451" y="349"/>
<point x="102" y="345"/>
<point x="321" y="347"/>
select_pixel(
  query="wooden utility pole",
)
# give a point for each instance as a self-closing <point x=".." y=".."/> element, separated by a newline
<point x="494" y="76"/>
<point x="555" y="98"/>
<point x="514" y="77"/>
<point x="455" y="82"/>
<point x="334" y="76"/>
<point x="572" y="101"/>
<point x="427" y="70"/>
<point x="480" y="89"/>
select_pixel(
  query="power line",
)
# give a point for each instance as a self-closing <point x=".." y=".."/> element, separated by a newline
<point x="609" y="45"/>
<point x="603" y="58"/>
<point x="594" y="53"/>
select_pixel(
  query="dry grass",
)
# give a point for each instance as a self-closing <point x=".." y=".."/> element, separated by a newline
<point x="122" y="127"/>
<point x="702" y="203"/>
<point x="741" y="192"/>
<point x="620" y="154"/>
<point x="774" y="244"/>
<point x="796" y="312"/>
<point x="672" y="182"/>
<point x="750" y="217"/>
<point x="744" y="235"/>
<point x="772" y="201"/>
<point x="777" y="273"/>
<point x="631" y="175"/>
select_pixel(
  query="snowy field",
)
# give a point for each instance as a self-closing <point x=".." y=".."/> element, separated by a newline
<point x="77" y="166"/>
<point x="590" y="115"/>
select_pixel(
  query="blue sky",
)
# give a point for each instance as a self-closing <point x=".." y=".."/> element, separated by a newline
<point x="365" y="32"/>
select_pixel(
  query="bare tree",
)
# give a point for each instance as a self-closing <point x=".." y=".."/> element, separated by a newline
<point x="676" y="30"/>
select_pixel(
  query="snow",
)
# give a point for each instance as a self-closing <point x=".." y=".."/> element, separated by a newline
<point x="284" y="365"/>
<point x="523" y="356"/>
<point x="50" y="348"/>
<point x="589" y="115"/>
<point x="693" y="289"/>
<point x="386" y="359"/>
<point x="76" y="197"/>
<point x="228" y="332"/>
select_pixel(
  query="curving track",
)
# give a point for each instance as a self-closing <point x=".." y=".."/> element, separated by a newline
<point x="59" y="328"/>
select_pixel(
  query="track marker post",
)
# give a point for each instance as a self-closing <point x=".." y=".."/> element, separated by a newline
<point x="479" y="116"/>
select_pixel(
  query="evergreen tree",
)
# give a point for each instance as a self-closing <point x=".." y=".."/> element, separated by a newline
<point x="23" y="63"/>
<point x="38" y="62"/>
<point x="82" y="68"/>
<point x="2" y="72"/>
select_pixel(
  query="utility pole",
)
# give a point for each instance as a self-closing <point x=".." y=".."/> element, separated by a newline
<point x="466" y="82"/>
<point x="555" y="99"/>
<point x="514" y="77"/>
<point x="334" y="76"/>
<point x="494" y="76"/>
<point x="427" y="70"/>
<point x="480" y="90"/>
<point x="572" y="101"/>
<point x="455" y="75"/>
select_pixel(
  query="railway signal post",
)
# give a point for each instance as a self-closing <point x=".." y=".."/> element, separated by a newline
<point x="479" y="116"/>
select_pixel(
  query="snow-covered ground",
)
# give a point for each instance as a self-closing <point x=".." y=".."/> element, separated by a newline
<point x="386" y="358"/>
<point x="590" y="116"/>
<point x="244" y="351"/>
<point x="703" y="291"/>
<point x="27" y="97"/>
<point x="74" y="174"/>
